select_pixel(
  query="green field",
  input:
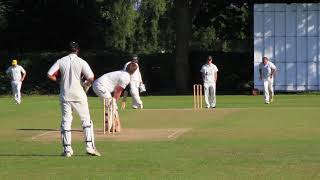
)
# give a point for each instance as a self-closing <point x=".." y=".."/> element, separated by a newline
<point x="241" y="139"/>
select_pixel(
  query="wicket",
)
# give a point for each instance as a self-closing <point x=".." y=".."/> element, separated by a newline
<point x="109" y="117"/>
<point x="197" y="96"/>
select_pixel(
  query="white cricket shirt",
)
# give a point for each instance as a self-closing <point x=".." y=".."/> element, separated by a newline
<point x="71" y="67"/>
<point x="136" y="76"/>
<point x="109" y="81"/>
<point x="15" y="72"/>
<point x="266" y="69"/>
<point x="208" y="73"/>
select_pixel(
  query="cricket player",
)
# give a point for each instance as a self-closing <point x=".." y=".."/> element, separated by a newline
<point x="73" y="97"/>
<point x="209" y="76"/>
<point x="14" y="73"/>
<point x="136" y="84"/>
<point x="267" y="71"/>
<point x="115" y="81"/>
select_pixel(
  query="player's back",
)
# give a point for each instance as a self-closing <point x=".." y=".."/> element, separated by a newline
<point x="112" y="79"/>
<point x="71" y="67"/>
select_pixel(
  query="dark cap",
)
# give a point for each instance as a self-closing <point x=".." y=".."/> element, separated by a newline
<point x="135" y="57"/>
<point x="73" y="46"/>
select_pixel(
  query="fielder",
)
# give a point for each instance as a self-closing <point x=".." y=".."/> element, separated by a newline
<point x="113" y="82"/>
<point x="14" y="73"/>
<point x="73" y="97"/>
<point x="136" y="84"/>
<point x="267" y="71"/>
<point x="209" y="76"/>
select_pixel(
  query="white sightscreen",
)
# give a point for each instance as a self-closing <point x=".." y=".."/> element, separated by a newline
<point x="289" y="35"/>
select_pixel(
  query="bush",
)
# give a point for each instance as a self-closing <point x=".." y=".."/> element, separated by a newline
<point x="157" y="70"/>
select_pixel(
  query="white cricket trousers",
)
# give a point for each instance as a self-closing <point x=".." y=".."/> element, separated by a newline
<point x="210" y="94"/>
<point x="134" y="91"/>
<point x="268" y="89"/>
<point x="82" y="108"/>
<point x="101" y="92"/>
<point x="16" y="87"/>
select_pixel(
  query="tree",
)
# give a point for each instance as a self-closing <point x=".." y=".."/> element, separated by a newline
<point x="133" y="26"/>
<point x="4" y="8"/>
<point x="185" y="12"/>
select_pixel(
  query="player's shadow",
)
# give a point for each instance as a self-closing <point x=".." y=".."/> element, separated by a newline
<point x="39" y="129"/>
<point x="36" y="155"/>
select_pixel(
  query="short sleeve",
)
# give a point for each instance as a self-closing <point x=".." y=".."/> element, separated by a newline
<point x="202" y="69"/>
<point x="124" y="80"/>
<point x="86" y="70"/>
<point x="272" y="66"/>
<point x="54" y="68"/>
<point x="216" y="68"/>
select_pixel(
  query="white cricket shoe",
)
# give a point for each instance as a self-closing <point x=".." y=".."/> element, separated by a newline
<point x="67" y="154"/>
<point x="93" y="152"/>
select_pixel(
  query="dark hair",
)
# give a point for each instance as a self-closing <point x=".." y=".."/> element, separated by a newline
<point x="73" y="46"/>
<point x="131" y="68"/>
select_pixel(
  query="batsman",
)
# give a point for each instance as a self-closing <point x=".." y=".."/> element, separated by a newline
<point x="114" y="82"/>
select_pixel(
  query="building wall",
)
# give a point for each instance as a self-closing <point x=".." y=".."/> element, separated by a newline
<point x="288" y="34"/>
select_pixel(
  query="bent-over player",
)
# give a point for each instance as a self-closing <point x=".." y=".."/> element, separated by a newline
<point x="267" y="71"/>
<point x="136" y="84"/>
<point x="14" y="73"/>
<point x="113" y="82"/>
<point x="73" y="97"/>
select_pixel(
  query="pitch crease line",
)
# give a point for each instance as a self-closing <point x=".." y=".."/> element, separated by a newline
<point x="42" y="134"/>
<point x="174" y="133"/>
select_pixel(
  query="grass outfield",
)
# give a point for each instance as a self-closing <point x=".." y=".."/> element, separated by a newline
<point x="241" y="139"/>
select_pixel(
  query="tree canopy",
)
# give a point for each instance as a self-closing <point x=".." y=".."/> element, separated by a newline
<point x="129" y="26"/>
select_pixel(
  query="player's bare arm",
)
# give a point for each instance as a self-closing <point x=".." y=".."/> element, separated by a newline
<point x="273" y="71"/>
<point x="23" y="76"/>
<point x="216" y="77"/>
<point x="117" y="92"/>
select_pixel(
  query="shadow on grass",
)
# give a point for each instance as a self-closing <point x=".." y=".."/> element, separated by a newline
<point x="38" y="129"/>
<point x="36" y="155"/>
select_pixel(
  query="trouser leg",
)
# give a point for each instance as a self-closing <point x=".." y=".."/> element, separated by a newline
<point x="82" y="108"/>
<point x="14" y="87"/>
<point x="134" y="91"/>
<point x="206" y="94"/>
<point x="270" y="89"/>
<point x="66" y="121"/>
<point x="19" y="83"/>
<point x="212" y="93"/>
<point x="266" y="90"/>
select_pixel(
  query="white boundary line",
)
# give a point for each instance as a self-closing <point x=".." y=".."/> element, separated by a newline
<point x="42" y="134"/>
